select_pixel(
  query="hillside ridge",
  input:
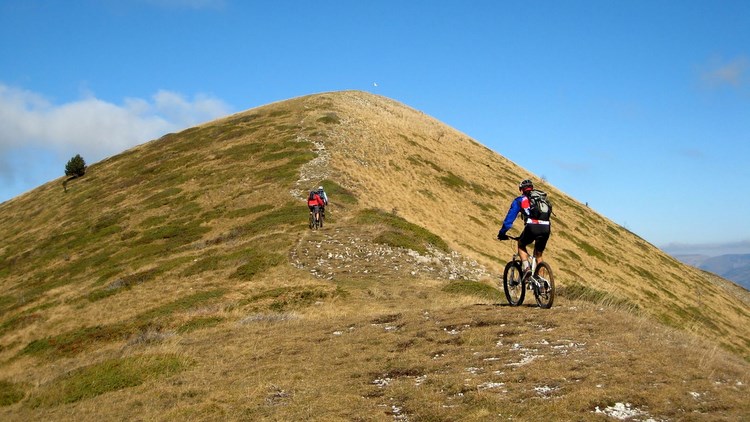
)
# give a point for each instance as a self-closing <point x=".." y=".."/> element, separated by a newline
<point x="184" y="271"/>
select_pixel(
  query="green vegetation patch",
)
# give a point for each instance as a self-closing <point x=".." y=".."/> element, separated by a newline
<point x="486" y="207"/>
<point x="288" y="172"/>
<point x="473" y="288"/>
<point x="286" y="298"/>
<point x="337" y="193"/>
<point x="6" y="302"/>
<point x="401" y="233"/>
<point x="175" y="233"/>
<point x="110" y="375"/>
<point x="477" y="221"/>
<point x="420" y="161"/>
<point x="10" y="393"/>
<point x="330" y="119"/>
<point x="586" y="247"/>
<point x="76" y="341"/>
<point x="208" y="263"/>
<point x="647" y="275"/>
<point x="578" y="291"/>
<point x="453" y="181"/>
<point x="199" y="323"/>
<point x="19" y="321"/>
<point x="257" y="262"/>
<point x="289" y="215"/>
<point x="243" y="212"/>
<point x="183" y="304"/>
<point x="162" y="198"/>
<point x="124" y="283"/>
<point x="73" y="342"/>
<point x="428" y="194"/>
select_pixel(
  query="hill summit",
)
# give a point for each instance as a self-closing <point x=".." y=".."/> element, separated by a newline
<point x="179" y="280"/>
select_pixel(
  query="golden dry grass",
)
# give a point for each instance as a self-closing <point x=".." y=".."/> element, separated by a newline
<point x="189" y="258"/>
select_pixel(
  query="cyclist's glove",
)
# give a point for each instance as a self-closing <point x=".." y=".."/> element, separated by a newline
<point x="502" y="236"/>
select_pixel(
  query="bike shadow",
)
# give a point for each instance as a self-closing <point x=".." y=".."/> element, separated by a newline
<point x="508" y="305"/>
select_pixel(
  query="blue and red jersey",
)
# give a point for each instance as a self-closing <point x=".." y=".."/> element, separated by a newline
<point x="519" y="205"/>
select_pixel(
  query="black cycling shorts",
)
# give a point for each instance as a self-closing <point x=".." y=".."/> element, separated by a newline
<point x="537" y="233"/>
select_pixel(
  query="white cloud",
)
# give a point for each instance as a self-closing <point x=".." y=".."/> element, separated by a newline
<point x="32" y="129"/>
<point x="98" y="127"/>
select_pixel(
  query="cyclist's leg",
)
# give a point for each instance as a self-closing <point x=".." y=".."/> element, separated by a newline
<point x="523" y="241"/>
<point x="541" y="232"/>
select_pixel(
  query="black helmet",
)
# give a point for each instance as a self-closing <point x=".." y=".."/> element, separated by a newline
<point x="525" y="185"/>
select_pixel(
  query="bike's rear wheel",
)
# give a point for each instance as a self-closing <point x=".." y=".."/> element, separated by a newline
<point x="545" y="294"/>
<point x="513" y="283"/>
<point x="312" y="220"/>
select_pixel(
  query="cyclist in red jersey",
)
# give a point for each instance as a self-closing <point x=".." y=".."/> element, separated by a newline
<point x="314" y="200"/>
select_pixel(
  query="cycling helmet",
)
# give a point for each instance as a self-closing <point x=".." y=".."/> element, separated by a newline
<point x="320" y="188"/>
<point x="526" y="185"/>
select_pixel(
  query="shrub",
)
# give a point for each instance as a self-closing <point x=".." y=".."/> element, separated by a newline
<point x="76" y="167"/>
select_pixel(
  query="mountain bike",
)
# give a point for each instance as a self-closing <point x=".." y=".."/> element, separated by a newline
<point x="316" y="223"/>
<point x="538" y="278"/>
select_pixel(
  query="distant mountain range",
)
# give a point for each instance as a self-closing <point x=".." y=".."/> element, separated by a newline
<point x="732" y="267"/>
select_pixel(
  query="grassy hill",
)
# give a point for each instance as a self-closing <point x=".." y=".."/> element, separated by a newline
<point x="178" y="280"/>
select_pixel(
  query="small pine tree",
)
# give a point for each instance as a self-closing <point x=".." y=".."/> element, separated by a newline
<point x="76" y="167"/>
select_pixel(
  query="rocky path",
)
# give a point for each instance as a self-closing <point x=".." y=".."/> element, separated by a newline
<point x="340" y="251"/>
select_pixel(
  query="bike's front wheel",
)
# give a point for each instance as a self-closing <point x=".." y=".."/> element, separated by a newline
<point x="545" y="293"/>
<point x="513" y="283"/>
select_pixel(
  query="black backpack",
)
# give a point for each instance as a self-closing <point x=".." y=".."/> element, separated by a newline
<point x="311" y="197"/>
<point x="541" y="209"/>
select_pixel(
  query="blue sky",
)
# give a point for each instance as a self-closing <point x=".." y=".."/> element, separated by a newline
<point x="640" y="108"/>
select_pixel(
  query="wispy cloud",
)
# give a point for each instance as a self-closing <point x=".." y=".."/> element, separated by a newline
<point x="573" y="167"/>
<point x="727" y="73"/>
<point x="97" y="128"/>
<point x="692" y="153"/>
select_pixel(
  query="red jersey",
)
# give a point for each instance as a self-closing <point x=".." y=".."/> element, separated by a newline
<point x="317" y="200"/>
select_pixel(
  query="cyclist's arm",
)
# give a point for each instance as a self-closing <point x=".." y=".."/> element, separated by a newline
<point x="515" y="208"/>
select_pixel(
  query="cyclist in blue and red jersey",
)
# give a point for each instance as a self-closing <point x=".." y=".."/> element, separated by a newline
<point x="535" y="230"/>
